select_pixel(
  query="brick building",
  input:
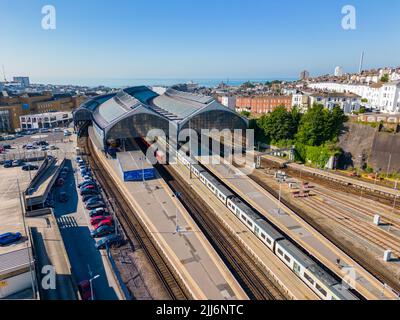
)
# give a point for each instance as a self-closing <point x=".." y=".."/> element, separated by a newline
<point x="263" y="104"/>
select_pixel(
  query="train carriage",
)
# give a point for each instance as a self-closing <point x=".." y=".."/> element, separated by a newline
<point x="197" y="169"/>
<point x="267" y="233"/>
<point x="243" y="212"/>
<point x="320" y="281"/>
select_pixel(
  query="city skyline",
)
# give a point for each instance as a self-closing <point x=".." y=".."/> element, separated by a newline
<point x="180" y="40"/>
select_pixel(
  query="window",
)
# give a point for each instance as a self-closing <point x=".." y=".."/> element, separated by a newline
<point x="309" y="279"/>
<point x="287" y="258"/>
<point x="269" y="241"/>
<point x="250" y="224"/>
<point x="320" y="289"/>
<point x="280" y="252"/>
<point x="263" y="235"/>
<point x="243" y="218"/>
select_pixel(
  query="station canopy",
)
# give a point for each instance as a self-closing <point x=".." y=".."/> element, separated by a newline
<point x="133" y="111"/>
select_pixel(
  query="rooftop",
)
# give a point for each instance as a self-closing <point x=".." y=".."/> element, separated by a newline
<point x="172" y="105"/>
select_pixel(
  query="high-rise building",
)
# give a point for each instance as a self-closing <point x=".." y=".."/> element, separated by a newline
<point x="304" y="75"/>
<point x="338" y="71"/>
<point x="24" y="81"/>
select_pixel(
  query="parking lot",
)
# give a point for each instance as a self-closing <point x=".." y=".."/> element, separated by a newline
<point x="74" y="224"/>
<point x="72" y="218"/>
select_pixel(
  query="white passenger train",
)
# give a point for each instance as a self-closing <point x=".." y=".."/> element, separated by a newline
<point x="321" y="282"/>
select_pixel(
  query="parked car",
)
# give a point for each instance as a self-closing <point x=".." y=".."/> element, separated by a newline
<point x="88" y="198"/>
<point x="8" y="164"/>
<point x="9" y="238"/>
<point x="102" y="231"/>
<point x="17" y="163"/>
<point x="98" y="212"/>
<point x="85" y="172"/>
<point x="93" y="200"/>
<point x="85" y="290"/>
<point x="90" y="187"/>
<point x="105" y="222"/>
<point x="112" y="240"/>
<point x="96" y="219"/>
<point x="29" y="166"/>
<point x="95" y="205"/>
<point x="83" y="183"/>
<point x="78" y="159"/>
<point x="54" y="147"/>
<point x="6" y="146"/>
<point x="88" y="191"/>
<point x="65" y="169"/>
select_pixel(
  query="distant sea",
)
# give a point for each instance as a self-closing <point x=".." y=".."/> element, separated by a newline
<point x="120" y="83"/>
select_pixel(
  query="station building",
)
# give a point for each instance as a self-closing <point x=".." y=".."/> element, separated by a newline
<point x="133" y="112"/>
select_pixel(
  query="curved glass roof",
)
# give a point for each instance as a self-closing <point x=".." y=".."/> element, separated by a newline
<point x="173" y="105"/>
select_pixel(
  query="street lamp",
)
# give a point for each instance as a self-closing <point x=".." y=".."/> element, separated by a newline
<point x="91" y="287"/>
<point x="279" y="198"/>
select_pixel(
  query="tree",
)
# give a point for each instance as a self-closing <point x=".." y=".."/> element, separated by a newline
<point x="319" y="125"/>
<point x="278" y="125"/>
<point x="245" y="113"/>
<point x="385" y="78"/>
<point x="334" y="122"/>
<point x="311" y="130"/>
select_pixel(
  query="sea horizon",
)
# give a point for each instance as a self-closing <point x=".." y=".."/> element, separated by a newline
<point x="121" y="83"/>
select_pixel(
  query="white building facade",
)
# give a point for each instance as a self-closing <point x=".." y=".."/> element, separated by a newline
<point x="347" y="102"/>
<point x="45" y="120"/>
<point x="382" y="97"/>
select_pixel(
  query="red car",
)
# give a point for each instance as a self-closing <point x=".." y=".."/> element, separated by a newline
<point x="84" y="289"/>
<point x="90" y="186"/>
<point x="104" y="221"/>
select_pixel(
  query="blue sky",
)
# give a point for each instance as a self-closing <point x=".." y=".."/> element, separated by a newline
<point x="99" y="39"/>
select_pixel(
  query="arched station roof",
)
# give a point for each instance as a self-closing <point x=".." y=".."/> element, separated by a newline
<point x="134" y="110"/>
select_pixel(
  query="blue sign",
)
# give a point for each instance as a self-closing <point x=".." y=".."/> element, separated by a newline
<point x="25" y="106"/>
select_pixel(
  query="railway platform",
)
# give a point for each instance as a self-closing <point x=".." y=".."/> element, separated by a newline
<point x="187" y="249"/>
<point x="301" y="232"/>
<point x="289" y="282"/>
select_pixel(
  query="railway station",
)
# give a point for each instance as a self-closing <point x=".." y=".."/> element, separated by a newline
<point x="134" y="112"/>
<point x="117" y="127"/>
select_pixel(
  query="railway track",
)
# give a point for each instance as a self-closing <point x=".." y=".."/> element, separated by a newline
<point x="134" y="228"/>
<point x="250" y="274"/>
<point x="377" y="237"/>
<point x="330" y="184"/>
<point x="363" y="208"/>
<point x="359" y="258"/>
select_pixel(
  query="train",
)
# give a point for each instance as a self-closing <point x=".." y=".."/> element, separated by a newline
<point x="310" y="272"/>
<point x="313" y="275"/>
